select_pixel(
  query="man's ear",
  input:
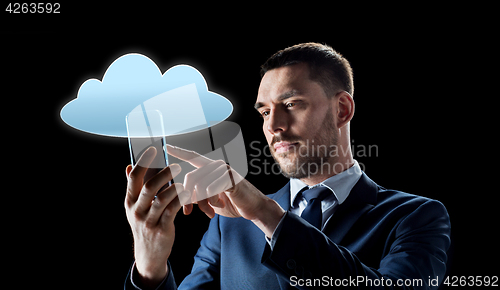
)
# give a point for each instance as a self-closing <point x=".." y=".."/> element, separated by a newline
<point x="345" y="108"/>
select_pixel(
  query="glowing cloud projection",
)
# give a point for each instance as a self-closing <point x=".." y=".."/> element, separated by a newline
<point x="133" y="80"/>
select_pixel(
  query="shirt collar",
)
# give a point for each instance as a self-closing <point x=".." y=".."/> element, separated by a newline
<point x="340" y="184"/>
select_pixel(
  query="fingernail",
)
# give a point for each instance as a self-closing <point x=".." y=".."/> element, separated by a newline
<point x="175" y="169"/>
<point x="150" y="151"/>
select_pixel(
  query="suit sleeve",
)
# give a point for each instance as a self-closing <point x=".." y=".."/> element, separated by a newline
<point x="132" y="284"/>
<point x="205" y="273"/>
<point x="417" y="250"/>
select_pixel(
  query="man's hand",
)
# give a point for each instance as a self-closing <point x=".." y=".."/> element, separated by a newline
<point x="150" y="213"/>
<point x="228" y="193"/>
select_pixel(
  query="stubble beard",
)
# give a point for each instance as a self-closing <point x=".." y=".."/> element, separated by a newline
<point x="311" y="157"/>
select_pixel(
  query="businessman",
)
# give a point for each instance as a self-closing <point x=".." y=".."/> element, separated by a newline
<point x="330" y="225"/>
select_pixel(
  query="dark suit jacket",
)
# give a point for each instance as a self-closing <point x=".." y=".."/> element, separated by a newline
<point x="375" y="235"/>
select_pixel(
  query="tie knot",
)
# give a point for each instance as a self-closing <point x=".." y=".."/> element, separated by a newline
<point x="319" y="192"/>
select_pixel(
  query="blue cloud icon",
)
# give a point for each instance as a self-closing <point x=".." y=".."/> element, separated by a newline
<point x="134" y="82"/>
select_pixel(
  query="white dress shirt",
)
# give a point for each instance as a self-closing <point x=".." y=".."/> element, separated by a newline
<point x="340" y="185"/>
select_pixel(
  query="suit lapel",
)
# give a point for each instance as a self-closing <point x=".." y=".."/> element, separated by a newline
<point x="282" y="196"/>
<point x="362" y="198"/>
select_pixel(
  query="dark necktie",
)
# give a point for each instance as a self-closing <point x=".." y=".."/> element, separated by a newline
<point x="312" y="213"/>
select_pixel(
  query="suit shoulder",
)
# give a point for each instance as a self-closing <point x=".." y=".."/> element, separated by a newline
<point x="395" y="196"/>
<point x="406" y="202"/>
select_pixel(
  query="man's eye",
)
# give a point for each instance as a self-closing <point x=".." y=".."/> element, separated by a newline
<point x="264" y="114"/>
<point x="289" y="105"/>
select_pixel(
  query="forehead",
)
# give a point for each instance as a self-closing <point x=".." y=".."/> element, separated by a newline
<point x="282" y="80"/>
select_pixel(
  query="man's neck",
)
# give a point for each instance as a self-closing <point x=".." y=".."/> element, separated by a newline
<point x="337" y="167"/>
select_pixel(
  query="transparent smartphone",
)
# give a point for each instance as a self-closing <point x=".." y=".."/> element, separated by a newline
<point x="145" y="129"/>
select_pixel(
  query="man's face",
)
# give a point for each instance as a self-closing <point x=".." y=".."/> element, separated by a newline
<point x="299" y="122"/>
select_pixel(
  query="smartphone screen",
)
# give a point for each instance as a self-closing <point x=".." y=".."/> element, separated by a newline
<point x="145" y="129"/>
<point x="139" y="145"/>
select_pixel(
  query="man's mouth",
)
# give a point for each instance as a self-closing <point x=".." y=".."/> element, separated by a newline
<point x="282" y="147"/>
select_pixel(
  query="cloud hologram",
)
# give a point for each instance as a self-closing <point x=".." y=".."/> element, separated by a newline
<point x="132" y="80"/>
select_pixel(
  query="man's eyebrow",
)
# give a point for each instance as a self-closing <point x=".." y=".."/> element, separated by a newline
<point x="281" y="98"/>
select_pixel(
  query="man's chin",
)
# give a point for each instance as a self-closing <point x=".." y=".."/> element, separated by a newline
<point x="285" y="159"/>
<point x="288" y="166"/>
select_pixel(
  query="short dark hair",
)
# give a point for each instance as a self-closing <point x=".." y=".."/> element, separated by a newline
<point x="326" y="66"/>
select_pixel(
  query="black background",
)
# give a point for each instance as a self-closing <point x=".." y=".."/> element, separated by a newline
<point x="416" y="72"/>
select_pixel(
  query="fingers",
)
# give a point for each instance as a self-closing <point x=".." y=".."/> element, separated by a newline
<point x="222" y="179"/>
<point x="136" y="175"/>
<point x="226" y="181"/>
<point x="166" y="205"/>
<point x="216" y="182"/>
<point x="172" y="208"/>
<point x="187" y="209"/>
<point x="192" y="157"/>
<point x="215" y="201"/>
<point x="128" y="169"/>
<point x="206" y="208"/>
<point x="207" y="183"/>
<point x="152" y="186"/>
<point x="199" y="179"/>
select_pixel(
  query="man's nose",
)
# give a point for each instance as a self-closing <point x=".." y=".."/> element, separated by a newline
<point x="277" y="122"/>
